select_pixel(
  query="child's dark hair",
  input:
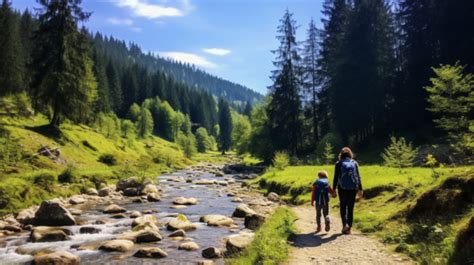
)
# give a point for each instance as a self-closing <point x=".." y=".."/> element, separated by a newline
<point x="346" y="152"/>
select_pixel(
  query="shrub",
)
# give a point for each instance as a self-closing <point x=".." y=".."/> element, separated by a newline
<point x="399" y="153"/>
<point x="328" y="155"/>
<point x="202" y="140"/>
<point x="281" y="160"/>
<point x="89" y="145"/>
<point x="108" y="159"/>
<point x="45" y="181"/>
<point x="69" y="175"/>
<point x="187" y="144"/>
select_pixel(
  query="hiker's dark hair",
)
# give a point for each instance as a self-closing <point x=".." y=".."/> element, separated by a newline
<point x="346" y="152"/>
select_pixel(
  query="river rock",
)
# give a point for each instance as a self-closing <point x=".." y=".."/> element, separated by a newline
<point x="237" y="199"/>
<point x="105" y="191"/>
<point x="205" y="262"/>
<point x="189" y="246"/>
<point x="49" y="234"/>
<point x="236" y="243"/>
<point x="130" y="192"/>
<point x="148" y="236"/>
<point x="114" y="208"/>
<point x="117" y="245"/>
<point x="150" y="188"/>
<point x="27" y="216"/>
<point x="177" y="207"/>
<point x="180" y="222"/>
<point x="178" y="233"/>
<point x="75" y="211"/>
<point x="254" y="221"/>
<point x="185" y="201"/>
<point x="272" y="196"/>
<point x="135" y="214"/>
<point x="57" y="258"/>
<point x="92" y="192"/>
<point x="153" y="197"/>
<point x="212" y="253"/>
<point x="145" y="219"/>
<point x="89" y="230"/>
<point x="243" y="210"/>
<point x="77" y="200"/>
<point x="53" y="214"/>
<point x="118" y="216"/>
<point x="124" y="184"/>
<point x="204" y="182"/>
<point x="150" y="252"/>
<point x="222" y="183"/>
<point x="216" y="220"/>
<point x="13" y="228"/>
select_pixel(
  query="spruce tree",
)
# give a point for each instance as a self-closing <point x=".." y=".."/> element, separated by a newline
<point x="311" y="77"/>
<point x="225" y="126"/>
<point x="12" y="65"/>
<point x="64" y="81"/>
<point x="103" y="94"/>
<point x="115" y="90"/>
<point x="285" y="105"/>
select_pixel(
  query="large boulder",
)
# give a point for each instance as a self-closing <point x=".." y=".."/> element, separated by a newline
<point x="272" y="196"/>
<point x="117" y="245"/>
<point x="150" y="252"/>
<point x="189" y="246"/>
<point x="185" y="201"/>
<point x="236" y="243"/>
<point x="142" y="236"/>
<point x="124" y="184"/>
<point x="180" y="222"/>
<point x="131" y="192"/>
<point x="254" y="221"/>
<point x="52" y="213"/>
<point x="150" y="188"/>
<point x="216" y="220"/>
<point x="114" y="208"/>
<point x="49" y="234"/>
<point x="57" y="258"/>
<point x="212" y="253"/>
<point x="27" y="216"/>
<point x="243" y="210"/>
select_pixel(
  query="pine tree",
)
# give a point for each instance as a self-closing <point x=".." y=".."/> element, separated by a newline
<point x="12" y="65"/>
<point x="399" y="153"/>
<point x="285" y="105"/>
<point x="27" y="28"/>
<point x="115" y="90"/>
<point x="144" y="123"/>
<point x="103" y="93"/>
<point x="311" y="77"/>
<point x="225" y="125"/>
<point x="64" y="80"/>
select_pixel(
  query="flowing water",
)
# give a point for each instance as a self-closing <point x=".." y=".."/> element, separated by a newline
<point x="212" y="200"/>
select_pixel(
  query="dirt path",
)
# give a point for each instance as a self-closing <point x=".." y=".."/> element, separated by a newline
<point x="334" y="248"/>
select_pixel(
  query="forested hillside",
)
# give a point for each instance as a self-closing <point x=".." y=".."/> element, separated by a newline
<point x="375" y="69"/>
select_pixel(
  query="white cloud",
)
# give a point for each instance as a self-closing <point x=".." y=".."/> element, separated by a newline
<point x="136" y="29"/>
<point x="217" y="51"/>
<point x="152" y="11"/>
<point x="120" y="22"/>
<point x="189" y="58"/>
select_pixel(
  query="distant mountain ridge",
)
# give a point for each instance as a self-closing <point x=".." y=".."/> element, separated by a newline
<point x="180" y="72"/>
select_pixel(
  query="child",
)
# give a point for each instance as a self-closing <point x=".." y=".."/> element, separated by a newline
<point x="320" y="195"/>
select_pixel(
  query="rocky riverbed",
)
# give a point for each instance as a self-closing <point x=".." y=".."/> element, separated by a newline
<point x="193" y="216"/>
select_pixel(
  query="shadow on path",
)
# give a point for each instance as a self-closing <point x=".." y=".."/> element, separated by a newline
<point x="311" y="239"/>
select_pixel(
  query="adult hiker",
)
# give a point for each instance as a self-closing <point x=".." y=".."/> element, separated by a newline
<point x="348" y="184"/>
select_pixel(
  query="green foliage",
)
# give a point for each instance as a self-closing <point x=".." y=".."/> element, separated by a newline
<point x="128" y="129"/>
<point x="45" y="180"/>
<point x="225" y="126"/>
<point x="163" y="114"/>
<point x="328" y="155"/>
<point x="108" y="159"/>
<point x="260" y="142"/>
<point x="10" y="150"/>
<point x="69" y="175"/>
<point x="241" y="133"/>
<point x="451" y="98"/>
<point x="399" y="153"/>
<point x="203" y="141"/>
<point x="431" y="162"/>
<point x="270" y="244"/>
<point x="134" y="112"/>
<point x="144" y="123"/>
<point x="108" y="124"/>
<point x="281" y="160"/>
<point x="187" y="144"/>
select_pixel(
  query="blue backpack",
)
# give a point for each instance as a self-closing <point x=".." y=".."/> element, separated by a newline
<point x="322" y="191"/>
<point x="349" y="179"/>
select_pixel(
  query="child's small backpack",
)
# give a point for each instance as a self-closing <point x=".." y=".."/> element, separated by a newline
<point x="322" y="191"/>
<point x="349" y="180"/>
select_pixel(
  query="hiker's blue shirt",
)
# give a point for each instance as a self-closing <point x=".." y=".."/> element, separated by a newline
<point x="321" y="195"/>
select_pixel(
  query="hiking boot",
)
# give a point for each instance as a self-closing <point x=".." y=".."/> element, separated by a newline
<point x="318" y="229"/>
<point x="328" y="224"/>
<point x="344" y="230"/>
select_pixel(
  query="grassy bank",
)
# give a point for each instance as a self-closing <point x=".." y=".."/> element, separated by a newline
<point x="94" y="158"/>
<point x="270" y="243"/>
<point x="392" y="198"/>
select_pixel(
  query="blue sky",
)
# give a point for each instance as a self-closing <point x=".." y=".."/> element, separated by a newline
<point x="232" y="39"/>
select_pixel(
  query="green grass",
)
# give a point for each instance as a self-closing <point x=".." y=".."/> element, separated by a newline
<point x="383" y="213"/>
<point x="81" y="146"/>
<point x="270" y="244"/>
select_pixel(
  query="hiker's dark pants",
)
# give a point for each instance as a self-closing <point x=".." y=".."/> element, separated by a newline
<point x="347" y="201"/>
<point x="324" y="208"/>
